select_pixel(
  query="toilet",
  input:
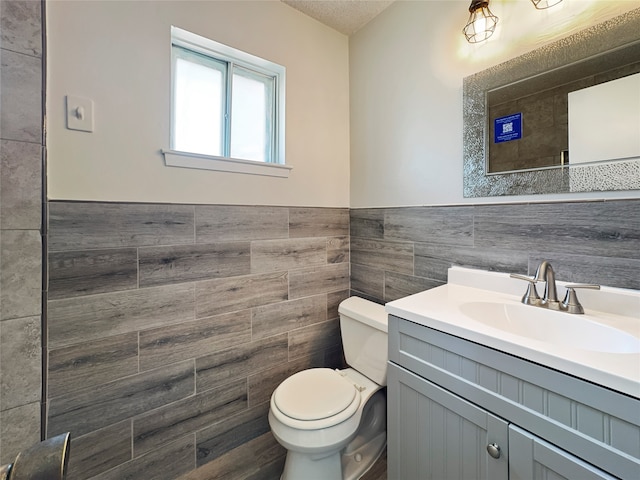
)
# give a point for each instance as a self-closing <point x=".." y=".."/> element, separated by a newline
<point x="333" y="423"/>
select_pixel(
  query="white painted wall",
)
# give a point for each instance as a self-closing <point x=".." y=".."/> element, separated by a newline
<point x="117" y="53"/>
<point x="406" y="72"/>
<point x="400" y="79"/>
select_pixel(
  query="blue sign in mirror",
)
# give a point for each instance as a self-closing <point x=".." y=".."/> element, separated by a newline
<point x="507" y="128"/>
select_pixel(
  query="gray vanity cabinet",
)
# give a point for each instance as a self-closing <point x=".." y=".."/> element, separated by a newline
<point x="437" y="435"/>
<point x="534" y="459"/>
<point x="460" y="410"/>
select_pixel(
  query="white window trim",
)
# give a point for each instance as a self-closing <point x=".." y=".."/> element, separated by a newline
<point x="174" y="158"/>
<point x="277" y="168"/>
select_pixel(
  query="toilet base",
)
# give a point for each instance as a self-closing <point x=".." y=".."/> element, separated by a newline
<point x="300" y="466"/>
<point x="341" y="465"/>
<point x="352" y="468"/>
<point x="349" y="460"/>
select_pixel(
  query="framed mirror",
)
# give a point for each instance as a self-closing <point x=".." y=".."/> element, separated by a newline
<point x="510" y="108"/>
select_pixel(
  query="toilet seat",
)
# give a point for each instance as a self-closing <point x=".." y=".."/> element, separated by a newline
<point x="314" y="399"/>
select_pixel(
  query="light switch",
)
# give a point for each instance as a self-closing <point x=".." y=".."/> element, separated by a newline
<point x="79" y="113"/>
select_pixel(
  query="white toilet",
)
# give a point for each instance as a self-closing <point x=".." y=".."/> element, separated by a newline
<point x="333" y="423"/>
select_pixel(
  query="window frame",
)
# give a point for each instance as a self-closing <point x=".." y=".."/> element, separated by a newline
<point x="220" y="52"/>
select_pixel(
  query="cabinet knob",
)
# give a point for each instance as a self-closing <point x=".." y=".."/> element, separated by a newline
<point x="494" y="450"/>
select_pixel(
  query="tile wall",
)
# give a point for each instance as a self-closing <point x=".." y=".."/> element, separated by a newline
<point x="399" y="251"/>
<point x="21" y="151"/>
<point x="170" y="325"/>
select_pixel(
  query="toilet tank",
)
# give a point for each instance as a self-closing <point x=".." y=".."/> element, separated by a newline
<point x="364" y="325"/>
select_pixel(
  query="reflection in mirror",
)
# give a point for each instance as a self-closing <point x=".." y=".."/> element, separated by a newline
<point x="604" y="121"/>
<point x="516" y="116"/>
<point x="528" y="120"/>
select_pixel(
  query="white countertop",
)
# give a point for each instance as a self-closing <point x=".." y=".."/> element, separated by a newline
<point x="440" y="308"/>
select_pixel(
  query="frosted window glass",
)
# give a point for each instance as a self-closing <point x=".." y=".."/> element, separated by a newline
<point x="226" y="104"/>
<point x="198" y="108"/>
<point x="251" y="116"/>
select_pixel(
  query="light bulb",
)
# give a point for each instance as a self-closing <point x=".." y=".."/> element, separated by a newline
<point x="481" y="24"/>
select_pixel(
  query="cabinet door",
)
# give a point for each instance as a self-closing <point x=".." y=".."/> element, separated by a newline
<point x="531" y="458"/>
<point x="433" y="434"/>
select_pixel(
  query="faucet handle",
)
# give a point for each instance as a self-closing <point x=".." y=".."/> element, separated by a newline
<point x="589" y="286"/>
<point x="531" y="296"/>
<point x="570" y="302"/>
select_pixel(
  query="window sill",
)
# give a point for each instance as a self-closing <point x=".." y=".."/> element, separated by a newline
<point x="173" y="158"/>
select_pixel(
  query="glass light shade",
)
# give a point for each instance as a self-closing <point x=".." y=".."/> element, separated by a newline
<point x="482" y="22"/>
<point x="542" y="4"/>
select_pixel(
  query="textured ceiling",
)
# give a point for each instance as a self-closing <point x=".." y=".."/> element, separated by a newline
<point x="345" y="16"/>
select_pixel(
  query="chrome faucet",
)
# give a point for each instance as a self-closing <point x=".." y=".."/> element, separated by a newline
<point x="549" y="299"/>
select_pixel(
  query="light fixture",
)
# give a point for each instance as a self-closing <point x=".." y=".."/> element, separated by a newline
<point x="542" y="4"/>
<point x="482" y="23"/>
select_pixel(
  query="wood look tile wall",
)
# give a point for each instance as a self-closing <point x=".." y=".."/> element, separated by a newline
<point x="170" y="325"/>
<point x="400" y="251"/>
<point x="21" y="203"/>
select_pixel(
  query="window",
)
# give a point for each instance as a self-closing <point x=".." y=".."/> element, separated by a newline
<point x="227" y="108"/>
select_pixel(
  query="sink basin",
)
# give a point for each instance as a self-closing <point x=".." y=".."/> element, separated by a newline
<point x="601" y="346"/>
<point x="559" y="328"/>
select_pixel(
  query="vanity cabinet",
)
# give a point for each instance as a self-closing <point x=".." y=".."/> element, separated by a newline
<point x="460" y="410"/>
<point x="435" y="434"/>
<point x="534" y="459"/>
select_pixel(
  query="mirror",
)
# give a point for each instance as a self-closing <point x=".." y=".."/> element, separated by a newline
<point x="603" y="52"/>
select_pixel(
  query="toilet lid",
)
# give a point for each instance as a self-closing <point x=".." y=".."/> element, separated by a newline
<point x="314" y="394"/>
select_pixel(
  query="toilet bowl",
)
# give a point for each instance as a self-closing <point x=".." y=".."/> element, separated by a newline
<point x="333" y="422"/>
